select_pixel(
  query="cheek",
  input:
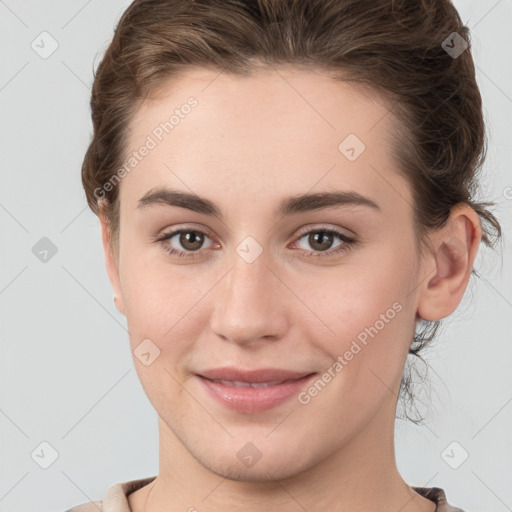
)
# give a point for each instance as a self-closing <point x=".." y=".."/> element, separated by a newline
<point x="162" y="308"/>
<point x="372" y="316"/>
<point x="150" y="282"/>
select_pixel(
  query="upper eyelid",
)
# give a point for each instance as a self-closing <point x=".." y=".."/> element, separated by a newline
<point x="174" y="230"/>
<point x="319" y="227"/>
<point x="306" y="230"/>
<point x="322" y="227"/>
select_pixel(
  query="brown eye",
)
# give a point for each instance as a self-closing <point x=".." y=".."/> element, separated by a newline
<point x="185" y="243"/>
<point x="320" y="240"/>
<point x="191" y="240"/>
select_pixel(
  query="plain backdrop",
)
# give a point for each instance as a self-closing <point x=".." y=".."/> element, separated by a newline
<point x="66" y="373"/>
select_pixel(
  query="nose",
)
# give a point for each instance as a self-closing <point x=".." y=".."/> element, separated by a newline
<point x="250" y="303"/>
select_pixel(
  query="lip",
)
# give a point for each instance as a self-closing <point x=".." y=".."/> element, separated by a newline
<point x="253" y="390"/>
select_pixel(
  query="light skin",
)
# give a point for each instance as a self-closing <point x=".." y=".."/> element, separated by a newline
<point x="251" y="143"/>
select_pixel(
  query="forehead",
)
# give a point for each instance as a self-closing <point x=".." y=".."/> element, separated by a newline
<point x="279" y="130"/>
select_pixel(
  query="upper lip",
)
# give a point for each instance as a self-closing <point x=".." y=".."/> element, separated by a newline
<point x="257" y="375"/>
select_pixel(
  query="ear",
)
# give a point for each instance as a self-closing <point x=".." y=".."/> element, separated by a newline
<point x="449" y="263"/>
<point x="111" y="261"/>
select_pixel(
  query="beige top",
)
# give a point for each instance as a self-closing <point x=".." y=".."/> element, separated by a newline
<point x="116" y="500"/>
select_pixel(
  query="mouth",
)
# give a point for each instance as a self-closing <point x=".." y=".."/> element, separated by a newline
<point x="252" y="391"/>
<point x="242" y="384"/>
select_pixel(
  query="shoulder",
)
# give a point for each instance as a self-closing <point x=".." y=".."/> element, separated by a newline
<point x="438" y="496"/>
<point x="91" y="506"/>
<point x="115" y="499"/>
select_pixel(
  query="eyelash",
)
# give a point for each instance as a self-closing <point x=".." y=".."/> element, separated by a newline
<point x="348" y="243"/>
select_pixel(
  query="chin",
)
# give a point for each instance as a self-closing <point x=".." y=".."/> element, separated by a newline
<point x="245" y="461"/>
<point x="268" y="471"/>
<point x="250" y="453"/>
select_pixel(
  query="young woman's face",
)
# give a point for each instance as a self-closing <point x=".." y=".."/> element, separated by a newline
<point x="240" y="185"/>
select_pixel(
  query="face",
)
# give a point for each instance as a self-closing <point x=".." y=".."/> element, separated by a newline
<point x="312" y="301"/>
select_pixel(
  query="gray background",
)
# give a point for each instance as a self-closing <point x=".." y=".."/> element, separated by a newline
<point x="66" y="373"/>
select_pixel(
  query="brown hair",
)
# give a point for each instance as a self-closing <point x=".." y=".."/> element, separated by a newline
<point x="398" y="47"/>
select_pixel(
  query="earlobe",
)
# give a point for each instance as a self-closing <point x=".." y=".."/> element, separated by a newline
<point x="454" y="249"/>
<point x="111" y="263"/>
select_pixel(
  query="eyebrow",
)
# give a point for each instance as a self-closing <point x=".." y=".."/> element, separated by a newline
<point x="288" y="206"/>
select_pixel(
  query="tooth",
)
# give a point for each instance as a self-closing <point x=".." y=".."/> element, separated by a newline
<point x="265" y="384"/>
<point x="239" y="383"/>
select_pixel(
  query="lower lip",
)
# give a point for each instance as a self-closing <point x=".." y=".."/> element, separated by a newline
<point x="247" y="399"/>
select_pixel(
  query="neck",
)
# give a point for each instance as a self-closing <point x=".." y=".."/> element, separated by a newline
<point x="360" y="475"/>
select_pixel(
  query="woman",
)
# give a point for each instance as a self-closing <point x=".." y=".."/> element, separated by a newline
<point x="286" y="196"/>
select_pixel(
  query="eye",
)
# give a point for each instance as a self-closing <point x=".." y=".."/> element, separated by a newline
<point x="190" y="241"/>
<point x="187" y="243"/>
<point x="321" y="241"/>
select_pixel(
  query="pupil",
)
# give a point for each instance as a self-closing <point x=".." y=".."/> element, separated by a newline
<point x="193" y="238"/>
<point x="324" y="236"/>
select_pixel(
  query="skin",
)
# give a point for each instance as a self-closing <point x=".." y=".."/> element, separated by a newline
<point x="249" y="143"/>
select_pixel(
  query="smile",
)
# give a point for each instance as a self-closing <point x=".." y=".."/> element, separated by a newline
<point x="252" y="391"/>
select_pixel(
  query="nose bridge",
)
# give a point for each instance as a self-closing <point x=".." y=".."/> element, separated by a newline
<point x="248" y="306"/>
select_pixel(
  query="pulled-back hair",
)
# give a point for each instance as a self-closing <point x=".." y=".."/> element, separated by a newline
<point x="400" y="48"/>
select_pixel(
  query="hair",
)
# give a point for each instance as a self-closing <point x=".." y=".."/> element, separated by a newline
<point x="394" y="46"/>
